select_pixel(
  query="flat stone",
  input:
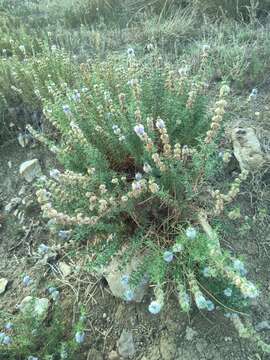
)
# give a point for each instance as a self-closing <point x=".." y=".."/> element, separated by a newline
<point x="114" y="276"/>
<point x="263" y="325"/>
<point x="64" y="268"/>
<point x="247" y="148"/>
<point x="37" y="307"/>
<point x="30" y="170"/>
<point x="3" y="285"/>
<point x="125" y="345"/>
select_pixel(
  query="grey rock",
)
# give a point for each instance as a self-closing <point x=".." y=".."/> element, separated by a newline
<point x="125" y="345"/>
<point x="114" y="276"/>
<point x="3" y="285"/>
<point x="30" y="170"/>
<point x="263" y="325"/>
<point x="38" y="308"/>
<point x="64" y="268"/>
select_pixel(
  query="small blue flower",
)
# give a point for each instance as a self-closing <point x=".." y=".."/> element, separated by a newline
<point x="129" y="295"/>
<point x="136" y="186"/>
<point x="9" y="325"/>
<point x="154" y="308"/>
<point x="191" y="233"/>
<point x="168" y="256"/>
<point x="64" y="234"/>
<point x="51" y="289"/>
<point x="239" y="267"/>
<point x="43" y="249"/>
<point x="228" y="292"/>
<point x="138" y="176"/>
<point x="139" y="130"/>
<point x="125" y="279"/>
<point x="66" y="109"/>
<point x="55" y="295"/>
<point x="32" y="358"/>
<point x="27" y="280"/>
<point x="54" y="173"/>
<point x="254" y="93"/>
<point x="76" y="96"/>
<point x="79" y="337"/>
<point x="160" y="124"/>
<point x="231" y="315"/>
<point x="206" y="272"/>
<point x="7" y="340"/>
<point x="200" y="301"/>
<point x="210" y="305"/>
<point x="130" y="52"/>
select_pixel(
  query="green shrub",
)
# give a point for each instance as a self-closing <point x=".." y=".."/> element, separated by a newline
<point x="134" y="180"/>
<point x="29" y="336"/>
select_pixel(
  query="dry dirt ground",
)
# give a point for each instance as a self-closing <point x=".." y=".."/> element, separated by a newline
<point x="168" y="336"/>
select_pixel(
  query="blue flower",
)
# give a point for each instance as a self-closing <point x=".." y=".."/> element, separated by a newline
<point x="200" y="301"/>
<point x="27" y="280"/>
<point x="66" y="109"/>
<point x="76" y="96"/>
<point x="160" y="124"/>
<point x="125" y="279"/>
<point x="254" y="93"/>
<point x="64" y="234"/>
<point x="210" y="305"/>
<point x="32" y="358"/>
<point x="7" y="340"/>
<point x="191" y="233"/>
<point x="51" y="289"/>
<point x="129" y="295"/>
<point x="239" y="267"/>
<point x="55" y="295"/>
<point x="138" y="176"/>
<point x="139" y="130"/>
<point x="154" y="307"/>
<point x="43" y="249"/>
<point x="228" y="292"/>
<point x="9" y="325"/>
<point x="79" y="337"/>
<point x="130" y="52"/>
<point x="206" y="272"/>
<point x="168" y="256"/>
<point x="54" y="173"/>
<point x="231" y="315"/>
<point x="136" y="186"/>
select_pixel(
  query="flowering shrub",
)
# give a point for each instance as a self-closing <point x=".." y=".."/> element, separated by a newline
<point x="138" y="144"/>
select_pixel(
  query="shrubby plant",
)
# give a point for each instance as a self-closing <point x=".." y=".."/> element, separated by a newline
<point x="29" y="337"/>
<point x="138" y="144"/>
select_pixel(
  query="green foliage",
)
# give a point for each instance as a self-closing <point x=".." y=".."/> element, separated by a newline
<point x="137" y="149"/>
<point x="33" y="337"/>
